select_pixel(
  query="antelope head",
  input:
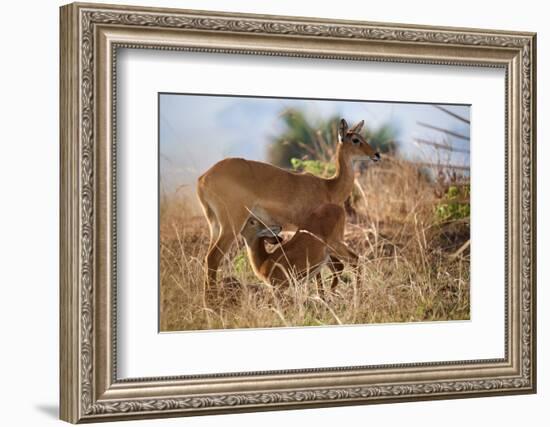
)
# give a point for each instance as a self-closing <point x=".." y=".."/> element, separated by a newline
<point x="356" y="147"/>
<point x="255" y="228"/>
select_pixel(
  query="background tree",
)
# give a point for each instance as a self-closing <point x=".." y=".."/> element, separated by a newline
<point x="305" y="139"/>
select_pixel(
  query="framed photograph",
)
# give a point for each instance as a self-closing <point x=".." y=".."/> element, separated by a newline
<point x="267" y="212"/>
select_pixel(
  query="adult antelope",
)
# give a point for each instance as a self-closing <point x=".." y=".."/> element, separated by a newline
<point x="233" y="186"/>
<point x="318" y="241"/>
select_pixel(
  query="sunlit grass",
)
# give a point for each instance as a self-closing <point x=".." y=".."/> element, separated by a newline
<point x="409" y="266"/>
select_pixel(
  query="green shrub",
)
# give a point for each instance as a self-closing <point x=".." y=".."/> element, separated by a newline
<point x="240" y="262"/>
<point x="455" y="204"/>
<point x="314" y="167"/>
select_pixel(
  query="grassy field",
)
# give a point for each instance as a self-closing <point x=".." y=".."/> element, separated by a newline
<point x="412" y="236"/>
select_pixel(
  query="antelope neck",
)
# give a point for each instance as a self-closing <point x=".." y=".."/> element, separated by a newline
<point x="257" y="251"/>
<point x="341" y="183"/>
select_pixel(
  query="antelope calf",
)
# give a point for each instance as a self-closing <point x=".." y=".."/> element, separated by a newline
<point x="318" y="242"/>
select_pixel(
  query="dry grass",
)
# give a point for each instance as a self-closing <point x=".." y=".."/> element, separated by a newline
<point x="409" y="267"/>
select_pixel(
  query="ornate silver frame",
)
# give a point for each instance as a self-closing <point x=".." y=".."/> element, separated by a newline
<point x="90" y="36"/>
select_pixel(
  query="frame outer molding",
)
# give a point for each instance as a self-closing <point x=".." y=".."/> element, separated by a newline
<point x="88" y="390"/>
<point x="69" y="220"/>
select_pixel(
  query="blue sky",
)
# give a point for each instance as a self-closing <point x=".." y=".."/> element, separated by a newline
<point x="196" y="131"/>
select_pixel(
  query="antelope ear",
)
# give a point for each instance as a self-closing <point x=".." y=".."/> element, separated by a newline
<point x="357" y="128"/>
<point x="342" y="129"/>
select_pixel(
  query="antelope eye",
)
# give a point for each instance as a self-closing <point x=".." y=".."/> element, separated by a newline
<point x="355" y="140"/>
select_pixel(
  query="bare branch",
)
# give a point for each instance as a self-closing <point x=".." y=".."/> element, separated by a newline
<point x="442" y="146"/>
<point x="446" y="131"/>
<point x="443" y="166"/>
<point x="450" y="113"/>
